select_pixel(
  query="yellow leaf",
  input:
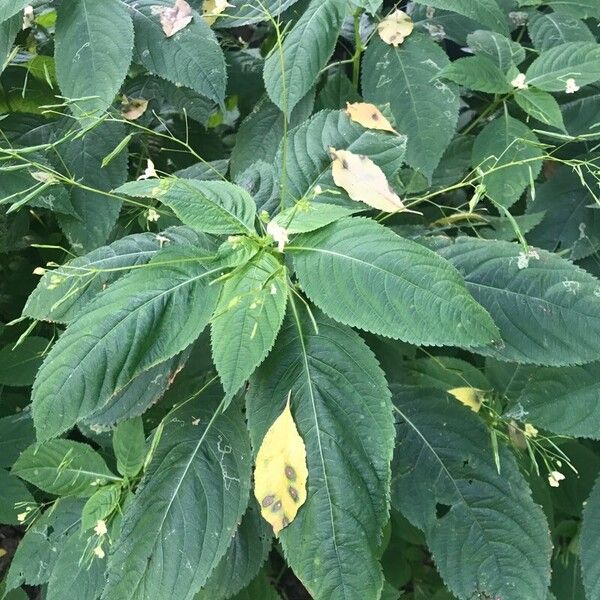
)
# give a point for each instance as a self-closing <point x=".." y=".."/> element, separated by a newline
<point x="369" y="116"/>
<point x="395" y="28"/>
<point x="133" y="108"/>
<point x="175" y="18"/>
<point x="211" y="9"/>
<point x="281" y="472"/>
<point x="364" y="181"/>
<point x="469" y="396"/>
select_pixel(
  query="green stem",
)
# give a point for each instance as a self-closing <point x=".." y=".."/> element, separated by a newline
<point x="358" y="48"/>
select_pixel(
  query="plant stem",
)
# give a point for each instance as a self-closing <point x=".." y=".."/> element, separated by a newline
<point x="358" y="48"/>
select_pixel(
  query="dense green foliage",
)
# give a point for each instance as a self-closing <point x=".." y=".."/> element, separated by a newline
<point x="179" y="256"/>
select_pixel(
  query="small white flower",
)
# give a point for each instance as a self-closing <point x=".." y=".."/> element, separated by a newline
<point x="99" y="552"/>
<point x="152" y="215"/>
<point x="318" y="190"/>
<point x="100" y="528"/>
<point x="273" y="289"/>
<point x="519" y="82"/>
<point x="28" y="18"/>
<point x="149" y="172"/>
<point x="279" y="234"/>
<point x="554" y="478"/>
<point x="161" y="239"/>
<point x="571" y="87"/>
<point x="39" y="271"/>
<point x="530" y="430"/>
<point x="22" y="516"/>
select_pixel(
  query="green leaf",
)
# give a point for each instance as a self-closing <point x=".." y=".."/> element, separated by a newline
<point x="485" y="533"/>
<point x="206" y="206"/>
<point x="138" y="395"/>
<point x="565" y="401"/>
<point x="8" y="32"/>
<point x="129" y="444"/>
<point x="16" y="434"/>
<point x="261" y="132"/>
<point x="547" y="309"/>
<point x="541" y="106"/>
<point x="339" y="398"/>
<point x="245" y="556"/>
<point x="364" y="275"/>
<point x="247" y="319"/>
<point x="576" y="8"/>
<point x="36" y="553"/>
<point x="441" y="372"/>
<point x="307" y="216"/>
<point x="582" y="113"/>
<point x="191" y="57"/>
<point x="101" y="504"/>
<point x="476" y="73"/>
<point x="259" y="588"/>
<point x="553" y="29"/>
<point x="427" y="109"/>
<point x="290" y="71"/>
<point x="575" y="60"/>
<point x="62" y="293"/>
<point x="19" y="366"/>
<point x="571" y="224"/>
<point x="96" y="212"/>
<point x="188" y="506"/>
<point x="143" y="319"/>
<point x="486" y="12"/>
<point x="244" y="12"/>
<point x="511" y="153"/>
<point x="305" y="161"/>
<point x="503" y="51"/>
<point x="589" y="544"/>
<point x="337" y="91"/>
<point x="8" y="8"/>
<point x="14" y="495"/>
<point x="63" y="468"/>
<point x="93" y="50"/>
<point x="76" y="569"/>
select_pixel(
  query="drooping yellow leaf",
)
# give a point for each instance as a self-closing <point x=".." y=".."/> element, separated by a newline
<point x="364" y="181"/>
<point x="211" y="9"/>
<point x="175" y="18"/>
<point x="133" y="108"/>
<point x="469" y="396"/>
<point x="395" y="28"/>
<point x="281" y="472"/>
<point x="369" y="116"/>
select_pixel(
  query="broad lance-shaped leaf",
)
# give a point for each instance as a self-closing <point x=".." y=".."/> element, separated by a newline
<point x="339" y="397"/>
<point x="477" y="73"/>
<point x="8" y="8"/>
<point x="547" y="309"/>
<point x="364" y="275"/>
<point x="208" y="206"/>
<point x="247" y="318"/>
<point x="281" y="473"/>
<point x="143" y="319"/>
<point x="579" y="61"/>
<point x="244" y="12"/>
<point x="96" y="212"/>
<point x="565" y="401"/>
<point x="424" y="108"/>
<point x="497" y="47"/>
<point x="15" y="498"/>
<point x="192" y="57"/>
<point x="541" y="106"/>
<point x="187" y="507"/>
<point x="590" y="544"/>
<point x="63" y="467"/>
<point x="245" y="556"/>
<point x="63" y="292"/>
<point x="94" y="45"/>
<point x="553" y="29"/>
<point x="486" y="535"/>
<point x="290" y="71"/>
<point x="304" y="159"/>
<point x="511" y="152"/>
<point x="486" y="12"/>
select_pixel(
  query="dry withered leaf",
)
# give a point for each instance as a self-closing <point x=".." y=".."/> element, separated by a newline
<point x="175" y="18"/>
<point x="211" y="9"/>
<point x="364" y="181"/>
<point x="281" y="472"/>
<point x="369" y="116"/>
<point x="133" y="108"/>
<point x="395" y="28"/>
